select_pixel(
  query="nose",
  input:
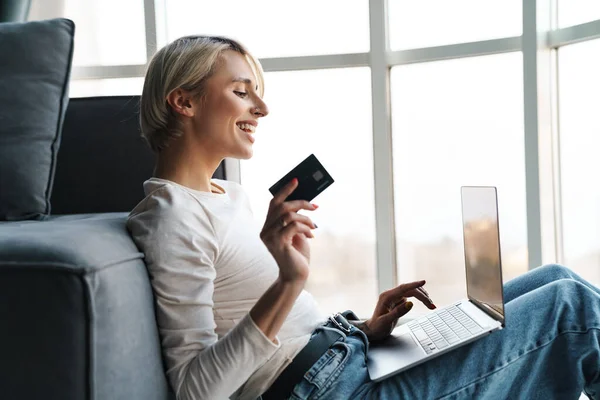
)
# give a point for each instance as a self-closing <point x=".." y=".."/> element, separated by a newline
<point x="260" y="109"/>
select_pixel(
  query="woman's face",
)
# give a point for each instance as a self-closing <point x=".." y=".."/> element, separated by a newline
<point x="228" y="115"/>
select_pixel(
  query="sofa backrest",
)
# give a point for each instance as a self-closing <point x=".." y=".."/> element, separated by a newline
<point x="102" y="159"/>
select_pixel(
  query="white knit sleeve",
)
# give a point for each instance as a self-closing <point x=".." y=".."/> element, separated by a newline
<point x="180" y="248"/>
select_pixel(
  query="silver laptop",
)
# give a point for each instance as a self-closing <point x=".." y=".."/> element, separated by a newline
<point x="465" y="321"/>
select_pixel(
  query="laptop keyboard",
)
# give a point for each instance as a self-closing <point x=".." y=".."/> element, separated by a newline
<point x="443" y="328"/>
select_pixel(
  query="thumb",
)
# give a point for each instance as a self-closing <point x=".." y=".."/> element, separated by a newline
<point x="398" y="311"/>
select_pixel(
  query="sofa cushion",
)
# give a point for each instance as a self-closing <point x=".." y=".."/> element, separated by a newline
<point x="34" y="76"/>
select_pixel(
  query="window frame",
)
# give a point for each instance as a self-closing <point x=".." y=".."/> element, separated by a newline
<point x="539" y="41"/>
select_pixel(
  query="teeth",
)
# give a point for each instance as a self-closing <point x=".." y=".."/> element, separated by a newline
<point x="246" y="127"/>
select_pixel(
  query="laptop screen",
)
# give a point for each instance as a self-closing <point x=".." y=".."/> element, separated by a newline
<point x="482" y="247"/>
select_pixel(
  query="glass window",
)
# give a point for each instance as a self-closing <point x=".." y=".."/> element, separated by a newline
<point x="574" y="12"/>
<point x="328" y="113"/>
<point x="106" y="87"/>
<point x="425" y="23"/>
<point x="579" y="85"/>
<point x="456" y="122"/>
<point x="273" y="28"/>
<point x="108" y="32"/>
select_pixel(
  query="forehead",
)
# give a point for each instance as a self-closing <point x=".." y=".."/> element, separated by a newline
<point x="233" y="65"/>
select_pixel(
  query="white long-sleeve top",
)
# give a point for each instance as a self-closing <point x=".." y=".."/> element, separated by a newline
<point x="208" y="267"/>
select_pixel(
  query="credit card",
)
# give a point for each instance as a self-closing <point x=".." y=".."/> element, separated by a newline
<point x="312" y="180"/>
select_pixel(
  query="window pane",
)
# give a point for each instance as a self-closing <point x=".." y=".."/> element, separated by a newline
<point x="579" y="85"/>
<point x="456" y="122"/>
<point x="328" y="113"/>
<point x="106" y="87"/>
<point x="574" y="12"/>
<point x="425" y="23"/>
<point x="273" y="28"/>
<point x="108" y="32"/>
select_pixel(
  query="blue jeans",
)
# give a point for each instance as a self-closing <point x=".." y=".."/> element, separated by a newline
<point x="550" y="349"/>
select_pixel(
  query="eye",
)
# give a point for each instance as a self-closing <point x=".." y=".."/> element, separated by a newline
<point x="241" y="94"/>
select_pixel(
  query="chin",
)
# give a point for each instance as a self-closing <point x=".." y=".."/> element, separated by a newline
<point x="245" y="154"/>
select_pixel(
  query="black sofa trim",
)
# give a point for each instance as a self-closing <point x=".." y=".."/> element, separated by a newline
<point x="90" y="356"/>
<point x="87" y="301"/>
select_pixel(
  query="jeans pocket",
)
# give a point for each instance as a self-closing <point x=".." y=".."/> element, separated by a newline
<point x="320" y="377"/>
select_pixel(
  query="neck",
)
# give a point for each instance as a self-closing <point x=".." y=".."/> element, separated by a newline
<point x="187" y="165"/>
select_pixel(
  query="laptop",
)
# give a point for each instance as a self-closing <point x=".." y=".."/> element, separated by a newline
<point x="464" y="321"/>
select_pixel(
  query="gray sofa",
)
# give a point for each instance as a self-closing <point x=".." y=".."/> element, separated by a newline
<point x="76" y="308"/>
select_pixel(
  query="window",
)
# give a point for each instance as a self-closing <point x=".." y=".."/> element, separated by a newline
<point x="106" y="87"/>
<point x="108" y="32"/>
<point x="272" y="28"/>
<point x="457" y="122"/>
<point x="454" y="122"/>
<point x="415" y="24"/>
<point x="573" y="12"/>
<point x="325" y="112"/>
<point x="579" y="85"/>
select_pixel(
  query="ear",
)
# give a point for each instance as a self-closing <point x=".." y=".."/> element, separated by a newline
<point x="181" y="102"/>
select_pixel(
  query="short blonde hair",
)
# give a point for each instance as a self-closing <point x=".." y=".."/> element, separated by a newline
<point x="185" y="63"/>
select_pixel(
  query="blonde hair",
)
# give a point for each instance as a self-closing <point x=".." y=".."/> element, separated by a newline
<point x="185" y="63"/>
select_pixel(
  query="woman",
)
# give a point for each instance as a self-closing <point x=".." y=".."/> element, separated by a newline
<point x="231" y="309"/>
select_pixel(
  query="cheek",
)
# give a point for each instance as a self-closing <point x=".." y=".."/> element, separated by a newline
<point x="224" y="113"/>
<point x="233" y="106"/>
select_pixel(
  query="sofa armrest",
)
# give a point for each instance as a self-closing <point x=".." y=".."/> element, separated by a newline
<point x="77" y="312"/>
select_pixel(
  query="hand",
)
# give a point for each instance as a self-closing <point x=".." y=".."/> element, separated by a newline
<point x="285" y="234"/>
<point x="392" y="305"/>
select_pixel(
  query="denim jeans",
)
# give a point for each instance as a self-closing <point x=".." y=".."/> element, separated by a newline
<point x="549" y="349"/>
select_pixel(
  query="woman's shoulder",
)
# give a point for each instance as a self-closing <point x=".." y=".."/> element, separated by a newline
<point x="162" y="195"/>
<point x="164" y="203"/>
<point x="171" y="201"/>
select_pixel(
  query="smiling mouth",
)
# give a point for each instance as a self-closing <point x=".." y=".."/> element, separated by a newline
<point x="247" y="128"/>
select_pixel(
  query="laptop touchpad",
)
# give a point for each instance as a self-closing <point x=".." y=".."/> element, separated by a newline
<point x="393" y="353"/>
<point x="403" y="343"/>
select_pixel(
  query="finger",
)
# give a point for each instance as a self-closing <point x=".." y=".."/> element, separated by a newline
<point x="296" y="227"/>
<point x="297" y="205"/>
<point x="421" y="297"/>
<point x="399" y="311"/>
<point x="285" y="191"/>
<point x="399" y="290"/>
<point x="392" y="303"/>
<point x="422" y="290"/>
<point x="292" y="207"/>
<point x="395" y="304"/>
<point x="291" y="217"/>
<point x="277" y="214"/>
<point x="278" y="221"/>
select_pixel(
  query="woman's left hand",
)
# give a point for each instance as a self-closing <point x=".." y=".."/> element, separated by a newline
<point x="392" y="305"/>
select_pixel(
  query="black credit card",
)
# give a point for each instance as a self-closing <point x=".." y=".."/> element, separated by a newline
<point x="312" y="180"/>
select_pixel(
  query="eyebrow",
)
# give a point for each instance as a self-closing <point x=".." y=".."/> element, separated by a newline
<point x="244" y="80"/>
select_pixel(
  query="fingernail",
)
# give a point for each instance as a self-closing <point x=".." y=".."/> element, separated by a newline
<point x="295" y="180"/>
<point x="316" y="226"/>
<point x="314" y="205"/>
<point x="408" y="305"/>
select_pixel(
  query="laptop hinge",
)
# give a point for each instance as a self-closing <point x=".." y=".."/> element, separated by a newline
<point x="488" y="310"/>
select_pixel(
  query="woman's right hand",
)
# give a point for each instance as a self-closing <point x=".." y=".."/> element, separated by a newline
<point x="285" y="234"/>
